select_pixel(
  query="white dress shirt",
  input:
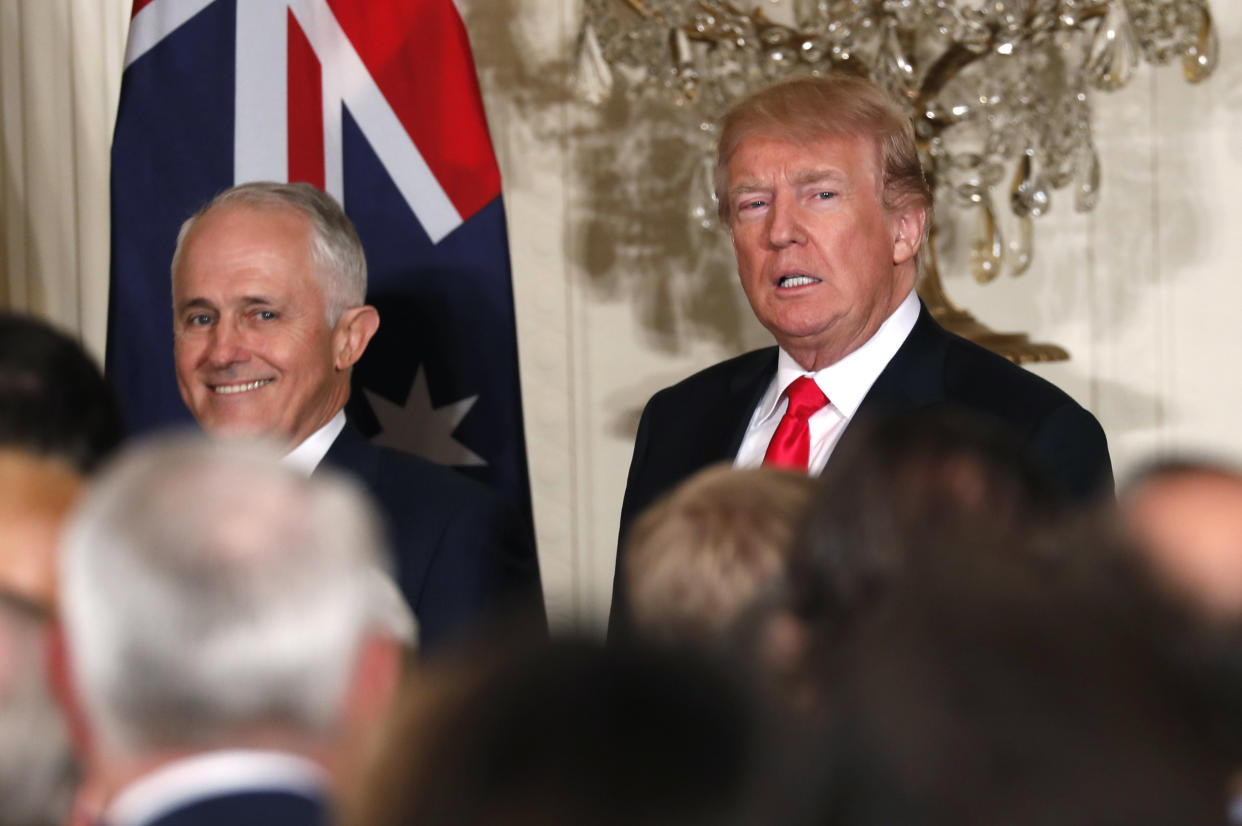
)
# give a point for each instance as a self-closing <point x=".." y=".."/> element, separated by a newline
<point x="212" y="774"/>
<point x="307" y="456"/>
<point x="845" y="384"/>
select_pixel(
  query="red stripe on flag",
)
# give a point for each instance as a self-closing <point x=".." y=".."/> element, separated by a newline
<point x="305" y="102"/>
<point x="139" y="5"/>
<point x="419" y="55"/>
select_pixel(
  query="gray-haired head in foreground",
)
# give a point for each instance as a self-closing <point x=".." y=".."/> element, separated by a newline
<point x="340" y="262"/>
<point x="209" y="590"/>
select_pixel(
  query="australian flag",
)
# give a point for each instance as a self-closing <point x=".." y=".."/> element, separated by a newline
<point x="376" y="102"/>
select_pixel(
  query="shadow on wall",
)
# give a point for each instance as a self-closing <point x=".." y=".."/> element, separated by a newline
<point x="636" y="172"/>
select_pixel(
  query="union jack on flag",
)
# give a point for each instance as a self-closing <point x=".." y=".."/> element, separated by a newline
<point x="376" y="102"/>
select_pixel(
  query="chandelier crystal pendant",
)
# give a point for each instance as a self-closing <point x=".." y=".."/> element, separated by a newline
<point x="999" y="92"/>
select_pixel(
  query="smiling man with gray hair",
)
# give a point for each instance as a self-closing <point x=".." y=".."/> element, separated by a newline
<point x="269" y="285"/>
<point x="230" y="634"/>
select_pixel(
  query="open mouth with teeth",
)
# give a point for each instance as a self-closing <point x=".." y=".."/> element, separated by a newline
<point x="796" y="280"/>
<point x="243" y="387"/>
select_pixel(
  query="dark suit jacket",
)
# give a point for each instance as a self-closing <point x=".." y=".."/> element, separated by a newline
<point x="459" y="550"/>
<point x="275" y="807"/>
<point x="703" y="419"/>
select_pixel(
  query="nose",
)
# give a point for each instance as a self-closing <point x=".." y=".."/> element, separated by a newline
<point x="784" y="224"/>
<point x="228" y="346"/>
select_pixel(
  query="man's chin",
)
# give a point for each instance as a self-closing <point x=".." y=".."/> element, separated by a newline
<point x="245" y="431"/>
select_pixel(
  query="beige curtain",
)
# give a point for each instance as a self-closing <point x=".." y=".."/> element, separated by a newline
<point x="60" y="75"/>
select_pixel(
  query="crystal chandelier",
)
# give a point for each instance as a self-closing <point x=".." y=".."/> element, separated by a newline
<point x="999" y="91"/>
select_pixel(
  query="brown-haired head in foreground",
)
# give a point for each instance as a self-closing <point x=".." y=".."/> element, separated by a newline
<point x="808" y="109"/>
<point x="700" y="555"/>
<point x="989" y="690"/>
<point x="900" y="482"/>
<point x="573" y="733"/>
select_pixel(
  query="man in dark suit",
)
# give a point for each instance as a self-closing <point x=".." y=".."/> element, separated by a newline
<point x="270" y="315"/>
<point x="231" y="641"/>
<point x="819" y="184"/>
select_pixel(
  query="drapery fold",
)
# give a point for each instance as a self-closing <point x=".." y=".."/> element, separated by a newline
<point x="60" y="72"/>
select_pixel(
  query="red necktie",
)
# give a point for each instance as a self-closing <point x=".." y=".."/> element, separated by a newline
<point x="790" y="447"/>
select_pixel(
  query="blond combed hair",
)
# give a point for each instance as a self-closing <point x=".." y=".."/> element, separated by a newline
<point x="809" y="109"/>
<point x="700" y="555"/>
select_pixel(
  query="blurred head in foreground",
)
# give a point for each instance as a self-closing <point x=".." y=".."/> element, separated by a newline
<point x="53" y="398"/>
<point x="36" y="495"/>
<point x="216" y="599"/>
<point x="904" y="482"/>
<point x="1186" y="518"/>
<point x="898" y="485"/>
<point x="699" y="556"/>
<point x="570" y="734"/>
<point x="1183" y="519"/>
<point x="37" y="771"/>
<point x="989" y="689"/>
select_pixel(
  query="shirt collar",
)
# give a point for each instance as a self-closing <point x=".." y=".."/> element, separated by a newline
<point x="211" y="774"/>
<point x="846" y="382"/>
<point x="307" y="456"/>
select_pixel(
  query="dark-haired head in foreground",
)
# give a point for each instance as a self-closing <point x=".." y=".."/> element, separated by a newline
<point x="989" y="689"/>
<point x="53" y="398"/>
<point x="574" y="734"/>
<point x="980" y="652"/>
<point x="903" y="481"/>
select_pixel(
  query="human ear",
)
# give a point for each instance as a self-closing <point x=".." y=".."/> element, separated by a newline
<point x="908" y="232"/>
<point x="352" y="334"/>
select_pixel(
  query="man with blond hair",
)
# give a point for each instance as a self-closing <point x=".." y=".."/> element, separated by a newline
<point x="820" y="188"/>
<point x="699" y="557"/>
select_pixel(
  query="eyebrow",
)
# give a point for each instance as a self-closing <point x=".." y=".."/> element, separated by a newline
<point x="205" y="304"/>
<point x="806" y="176"/>
<point x="196" y="303"/>
<point x="814" y="176"/>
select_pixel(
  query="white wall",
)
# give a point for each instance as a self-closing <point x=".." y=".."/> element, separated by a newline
<point x="60" y="74"/>
<point x="619" y="294"/>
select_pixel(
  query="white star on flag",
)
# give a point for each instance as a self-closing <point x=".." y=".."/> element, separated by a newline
<point x="417" y="427"/>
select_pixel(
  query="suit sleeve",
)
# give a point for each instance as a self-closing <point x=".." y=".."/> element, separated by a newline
<point x="1073" y="450"/>
<point x="633" y="503"/>
<point x="482" y="566"/>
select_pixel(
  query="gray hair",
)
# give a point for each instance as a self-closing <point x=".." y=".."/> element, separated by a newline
<point x="208" y="589"/>
<point x="340" y="262"/>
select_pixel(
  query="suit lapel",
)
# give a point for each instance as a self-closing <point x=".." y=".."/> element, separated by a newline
<point x="349" y="451"/>
<point x="914" y="377"/>
<point x="725" y="426"/>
